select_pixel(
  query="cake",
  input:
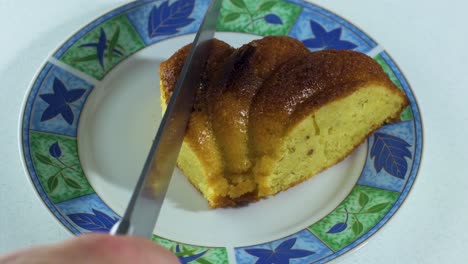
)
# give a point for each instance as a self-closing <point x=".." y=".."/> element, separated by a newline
<point x="272" y="114"/>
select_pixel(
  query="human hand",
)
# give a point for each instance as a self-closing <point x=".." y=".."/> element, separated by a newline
<point x="95" y="249"/>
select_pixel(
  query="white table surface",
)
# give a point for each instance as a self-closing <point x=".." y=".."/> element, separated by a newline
<point x="429" y="41"/>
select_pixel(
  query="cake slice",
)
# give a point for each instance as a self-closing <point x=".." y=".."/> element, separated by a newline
<point x="313" y="112"/>
<point x="272" y="114"/>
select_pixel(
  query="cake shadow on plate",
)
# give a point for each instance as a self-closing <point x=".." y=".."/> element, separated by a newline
<point x="182" y="195"/>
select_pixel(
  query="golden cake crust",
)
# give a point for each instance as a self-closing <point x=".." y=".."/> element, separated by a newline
<point x="199" y="129"/>
<point x="305" y="83"/>
<point x="229" y="99"/>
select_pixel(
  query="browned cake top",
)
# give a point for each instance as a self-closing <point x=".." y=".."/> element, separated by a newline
<point x="305" y="83"/>
<point x="230" y="98"/>
<point x="199" y="132"/>
<point x="171" y="68"/>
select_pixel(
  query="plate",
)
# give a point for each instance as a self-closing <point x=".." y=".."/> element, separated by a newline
<point x="93" y="109"/>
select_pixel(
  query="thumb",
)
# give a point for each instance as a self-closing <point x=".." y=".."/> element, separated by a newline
<point x="96" y="249"/>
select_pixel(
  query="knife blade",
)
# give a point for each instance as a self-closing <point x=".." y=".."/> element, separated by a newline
<point x="145" y="204"/>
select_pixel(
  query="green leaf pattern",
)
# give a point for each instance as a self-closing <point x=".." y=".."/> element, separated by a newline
<point x="52" y="183"/>
<point x="59" y="177"/>
<point x="44" y="159"/>
<point x="71" y="183"/>
<point x="363" y="209"/>
<point x="239" y="3"/>
<point x="231" y="17"/>
<point x="266" y="6"/>
<point x="194" y="254"/>
<point x="104" y="47"/>
<point x="357" y="227"/>
<point x="377" y="208"/>
<point x="112" y="45"/>
<point x="111" y="51"/>
<point x="254" y="16"/>
<point x="184" y="251"/>
<point x="262" y="17"/>
<point x="92" y="57"/>
<point x="363" y="199"/>
<point x="203" y="261"/>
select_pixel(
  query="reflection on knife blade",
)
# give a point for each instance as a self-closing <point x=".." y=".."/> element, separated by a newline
<point x="146" y="202"/>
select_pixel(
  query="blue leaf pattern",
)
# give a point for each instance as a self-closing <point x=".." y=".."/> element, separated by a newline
<point x="338" y="228"/>
<point x="389" y="153"/>
<point x="188" y="259"/>
<point x="327" y="40"/>
<point x="263" y="255"/>
<point x="317" y="29"/>
<point x="282" y="254"/>
<point x="74" y="95"/>
<point x="168" y="19"/>
<point x="286" y="245"/>
<point x="97" y="222"/>
<point x="59" y="102"/>
<point x="273" y="19"/>
<point x="55" y="150"/>
<point x="59" y="87"/>
<point x="107" y="220"/>
<point x="101" y="47"/>
<point x="95" y="45"/>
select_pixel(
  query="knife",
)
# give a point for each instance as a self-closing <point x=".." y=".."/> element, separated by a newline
<point x="145" y="204"/>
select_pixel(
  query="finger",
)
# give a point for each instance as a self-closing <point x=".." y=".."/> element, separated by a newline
<point x="118" y="249"/>
<point x="95" y="249"/>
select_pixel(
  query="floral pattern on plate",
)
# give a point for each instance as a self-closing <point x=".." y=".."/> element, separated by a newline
<point x="357" y="214"/>
<point x="302" y="247"/>
<point x="159" y="20"/>
<point x="57" y="106"/>
<point x="266" y="17"/>
<point x="104" y="47"/>
<point x="194" y="254"/>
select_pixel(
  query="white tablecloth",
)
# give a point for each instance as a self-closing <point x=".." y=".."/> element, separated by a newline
<point x="429" y="41"/>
